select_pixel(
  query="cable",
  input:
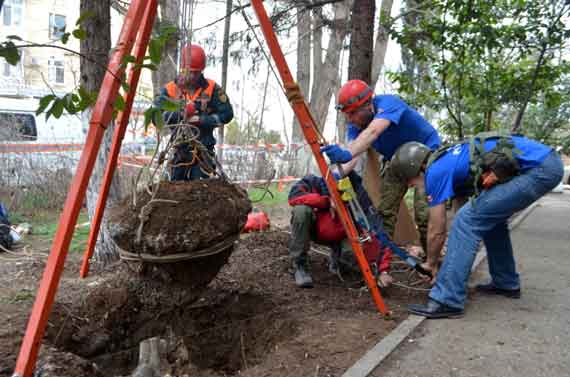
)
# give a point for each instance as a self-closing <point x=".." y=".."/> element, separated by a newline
<point x="292" y="93"/>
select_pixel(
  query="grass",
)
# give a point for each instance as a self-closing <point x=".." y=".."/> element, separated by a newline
<point x="44" y="226"/>
<point x="256" y="195"/>
<point x="44" y="222"/>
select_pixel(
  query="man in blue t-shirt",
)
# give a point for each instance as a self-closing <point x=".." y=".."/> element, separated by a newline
<point x="534" y="170"/>
<point x="383" y="122"/>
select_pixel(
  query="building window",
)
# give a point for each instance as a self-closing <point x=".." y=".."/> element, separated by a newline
<point x="6" y="72"/>
<point x="12" y="12"/>
<point x="11" y="71"/>
<point x="56" y="26"/>
<point x="56" y="70"/>
<point x="17" y="127"/>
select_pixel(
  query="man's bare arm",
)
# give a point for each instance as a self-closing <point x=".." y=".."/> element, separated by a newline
<point x="349" y="166"/>
<point x="368" y="136"/>
<point x="437" y="232"/>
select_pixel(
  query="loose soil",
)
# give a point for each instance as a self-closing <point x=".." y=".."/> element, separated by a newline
<point x="184" y="220"/>
<point x="250" y="320"/>
<point x="181" y="217"/>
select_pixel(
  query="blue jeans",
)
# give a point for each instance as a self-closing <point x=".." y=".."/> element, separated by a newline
<point x="485" y="219"/>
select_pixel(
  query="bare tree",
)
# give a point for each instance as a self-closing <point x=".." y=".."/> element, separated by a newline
<point x="303" y="60"/>
<point x="225" y="62"/>
<point x="362" y="40"/>
<point x="96" y="47"/>
<point x="381" y="44"/>
<point x="168" y="15"/>
<point x="326" y="73"/>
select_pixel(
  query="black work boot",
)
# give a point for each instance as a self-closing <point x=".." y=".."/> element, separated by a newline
<point x="302" y="277"/>
<point x="434" y="309"/>
<point x="492" y="289"/>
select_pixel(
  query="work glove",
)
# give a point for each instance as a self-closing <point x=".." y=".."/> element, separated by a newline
<point x="336" y="154"/>
<point x="194" y="119"/>
<point x="190" y="109"/>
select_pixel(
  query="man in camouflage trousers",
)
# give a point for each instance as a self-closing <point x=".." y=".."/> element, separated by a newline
<point x="383" y="122"/>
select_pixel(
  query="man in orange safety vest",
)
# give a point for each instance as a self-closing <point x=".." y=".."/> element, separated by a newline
<point x="204" y="104"/>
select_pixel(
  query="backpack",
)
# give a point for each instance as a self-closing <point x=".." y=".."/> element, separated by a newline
<point x="6" y="240"/>
<point x="501" y="160"/>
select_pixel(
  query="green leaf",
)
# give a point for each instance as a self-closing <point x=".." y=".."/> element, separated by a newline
<point x="129" y="59"/>
<point x="57" y="108"/>
<point x="65" y="38"/>
<point x="44" y="102"/>
<point x="126" y="87"/>
<point x="119" y="103"/>
<point x="148" y="116"/>
<point x="152" y="67"/>
<point x="84" y="16"/>
<point x="14" y="38"/>
<point x="158" y="121"/>
<point x="80" y="34"/>
<point x="86" y="99"/>
<point x="155" y="51"/>
<point x="154" y="116"/>
<point x="10" y="52"/>
<point x="168" y="105"/>
<point x="68" y="104"/>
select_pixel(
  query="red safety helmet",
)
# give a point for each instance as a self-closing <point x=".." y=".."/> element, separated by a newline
<point x="193" y="58"/>
<point x="352" y="95"/>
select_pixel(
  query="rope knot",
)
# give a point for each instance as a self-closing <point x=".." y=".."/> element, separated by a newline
<point x="293" y="93"/>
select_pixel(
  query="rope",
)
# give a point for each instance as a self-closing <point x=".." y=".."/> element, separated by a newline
<point x="144" y="215"/>
<point x="265" y="187"/>
<point x="194" y="254"/>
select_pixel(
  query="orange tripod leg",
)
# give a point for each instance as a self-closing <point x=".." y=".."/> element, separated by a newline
<point x="122" y="122"/>
<point x="309" y="127"/>
<point x="102" y="115"/>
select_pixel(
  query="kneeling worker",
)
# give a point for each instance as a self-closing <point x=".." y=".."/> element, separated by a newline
<point x="509" y="173"/>
<point x="314" y="218"/>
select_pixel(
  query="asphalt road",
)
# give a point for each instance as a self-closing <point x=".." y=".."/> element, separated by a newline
<point x="501" y="337"/>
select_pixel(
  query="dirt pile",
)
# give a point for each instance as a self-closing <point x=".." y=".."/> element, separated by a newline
<point x="181" y="218"/>
<point x="185" y="231"/>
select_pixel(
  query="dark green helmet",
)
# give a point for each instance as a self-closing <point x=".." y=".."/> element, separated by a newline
<point x="408" y="159"/>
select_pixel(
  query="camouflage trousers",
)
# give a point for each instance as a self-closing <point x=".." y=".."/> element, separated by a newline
<point x="392" y="191"/>
<point x="303" y="222"/>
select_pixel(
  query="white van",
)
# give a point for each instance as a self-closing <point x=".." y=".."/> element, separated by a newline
<point x="19" y="123"/>
<point x="29" y="143"/>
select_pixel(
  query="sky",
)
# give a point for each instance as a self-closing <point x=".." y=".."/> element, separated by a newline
<point x="247" y="98"/>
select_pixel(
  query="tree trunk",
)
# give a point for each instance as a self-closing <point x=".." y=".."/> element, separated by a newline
<point x="225" y="60"/>
<point x="530" y="92"/>
<point x="488" y="120"/>
<point x="326" y="77"/>
<point x="381" y="44"/>
<point x="97" y="46"/>
<point x="361" y="49"/>
<point x="360" y="67"/>
<point x="303" y="62"/>
<point x="362" y="40"/>
<point x="317" y="42"/>
<point x="372" y="166"/>
<point x="168" y="15"/>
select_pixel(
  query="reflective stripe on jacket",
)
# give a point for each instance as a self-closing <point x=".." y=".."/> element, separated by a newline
<point x="200" y="94"/>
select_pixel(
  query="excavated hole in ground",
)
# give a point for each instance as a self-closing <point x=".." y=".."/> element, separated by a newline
<point x="226" y="332"/>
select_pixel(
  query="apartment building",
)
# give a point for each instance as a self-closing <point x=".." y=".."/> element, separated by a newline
<point x="46" y="70"/>
<point x="41" y="69"/>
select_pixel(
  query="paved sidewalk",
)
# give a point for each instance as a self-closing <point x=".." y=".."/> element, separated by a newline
<point x="500" y="337"/>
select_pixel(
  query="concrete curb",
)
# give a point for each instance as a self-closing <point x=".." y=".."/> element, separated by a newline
<point x="384" y="348"/>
